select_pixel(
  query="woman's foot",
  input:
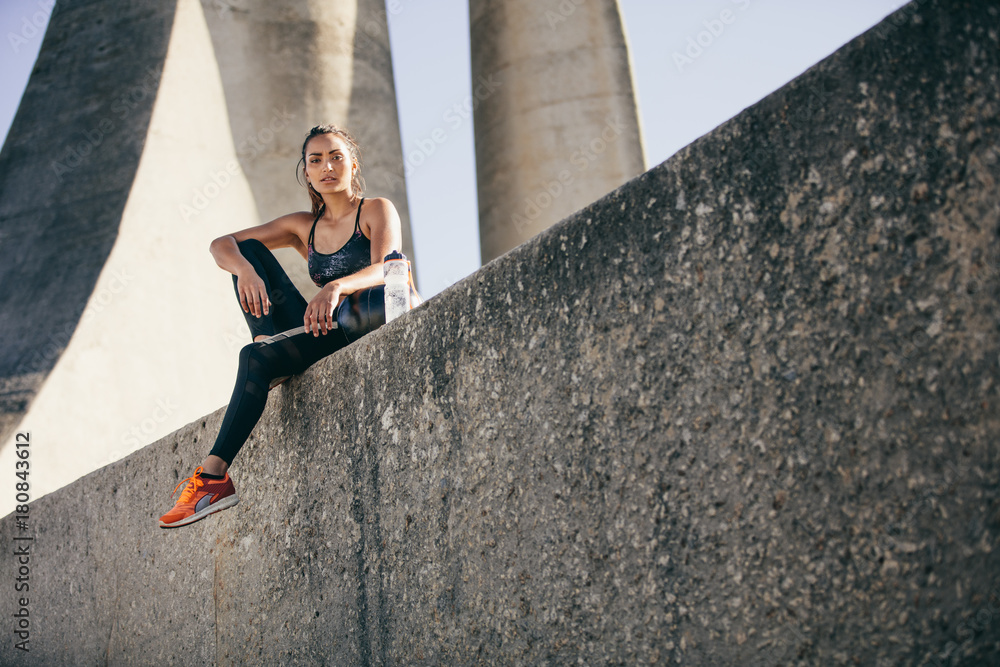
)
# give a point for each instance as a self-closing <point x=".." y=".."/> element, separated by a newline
<point x="200" y="497"/>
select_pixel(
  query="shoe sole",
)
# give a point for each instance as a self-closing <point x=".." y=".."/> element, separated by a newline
<point x="225" y="503"/>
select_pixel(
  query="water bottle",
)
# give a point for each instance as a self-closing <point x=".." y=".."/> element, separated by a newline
<point x="397" y="285"/>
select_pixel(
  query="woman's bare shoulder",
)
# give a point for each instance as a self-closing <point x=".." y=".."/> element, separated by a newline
<point x="297" y="218"/>
<point x="378" y="202"/>
<point x="299" y="223"/>
<point x="380" y="208"/>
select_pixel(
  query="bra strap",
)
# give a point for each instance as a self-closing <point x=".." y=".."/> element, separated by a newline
<point x="312" y="231"/>
<point x="357" y="220"/>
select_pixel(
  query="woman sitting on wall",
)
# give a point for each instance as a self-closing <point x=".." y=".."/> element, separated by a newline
<point x="289" y="335"/>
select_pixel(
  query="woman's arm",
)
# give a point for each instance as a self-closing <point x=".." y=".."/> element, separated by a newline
<point x="380" y="222"/>
<point x="281" y="232"/>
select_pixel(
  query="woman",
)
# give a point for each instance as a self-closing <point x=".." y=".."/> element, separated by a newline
<point x="348" y="305"/>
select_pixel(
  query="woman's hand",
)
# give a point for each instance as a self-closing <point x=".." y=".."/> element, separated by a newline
<point x="253" y="293"/>
<point x="320" y="312"/>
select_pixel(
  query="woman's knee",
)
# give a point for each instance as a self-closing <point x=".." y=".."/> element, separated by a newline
<point x="259" y="257"/>
<point x="258" y="361"/>
<point x="361" y="312"/>
<point x="251" y="247"/>
<point x="262" y="259"/>
<point x="246" y="352"/>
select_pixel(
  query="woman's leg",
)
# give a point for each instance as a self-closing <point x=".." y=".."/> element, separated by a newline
<point x="260" y="363"/>
<point x="287" y="353"/>
<point x="287" y="305"/>
<point x="210" y="489"/>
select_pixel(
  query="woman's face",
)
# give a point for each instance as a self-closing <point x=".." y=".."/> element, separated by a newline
<point x="329" y="166"/>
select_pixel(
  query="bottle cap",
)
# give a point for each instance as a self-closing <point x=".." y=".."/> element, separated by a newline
<point x="395" y="254"/>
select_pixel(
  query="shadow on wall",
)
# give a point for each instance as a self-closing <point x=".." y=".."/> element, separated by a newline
<point x="60" y="211"/>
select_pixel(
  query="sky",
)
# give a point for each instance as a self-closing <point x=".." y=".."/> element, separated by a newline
<point x="695" y="65"/>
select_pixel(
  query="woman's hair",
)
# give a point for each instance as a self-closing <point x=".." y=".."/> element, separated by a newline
<point x="357" y="182"/>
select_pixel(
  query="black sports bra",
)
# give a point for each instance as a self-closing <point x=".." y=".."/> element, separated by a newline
<point x="355" y="255"/>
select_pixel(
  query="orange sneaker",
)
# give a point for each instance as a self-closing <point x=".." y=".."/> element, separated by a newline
<point x="199" y="498"/>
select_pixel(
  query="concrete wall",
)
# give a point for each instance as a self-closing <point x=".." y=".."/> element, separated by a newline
<point x="743" y="410"/>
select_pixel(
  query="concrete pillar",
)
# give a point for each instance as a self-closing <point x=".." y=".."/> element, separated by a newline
<point x="291" y="65"/>
<point x="372" y="115"/>
<point x="555" y="117"/>
<point x="64" y="182"/>
<point x="118" y="172"/>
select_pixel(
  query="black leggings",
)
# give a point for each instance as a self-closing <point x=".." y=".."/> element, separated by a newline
<point x="287" y="305"/>
<point x="289" y="352"/>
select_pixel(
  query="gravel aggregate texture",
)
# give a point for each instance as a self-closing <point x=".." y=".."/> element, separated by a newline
<point x="742" y="410"/>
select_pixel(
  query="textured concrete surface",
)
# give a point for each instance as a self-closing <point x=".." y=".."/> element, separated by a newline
<point x="60" y="208"/>
<point x="743" y="410"/>
<point x="556" y="124"/>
